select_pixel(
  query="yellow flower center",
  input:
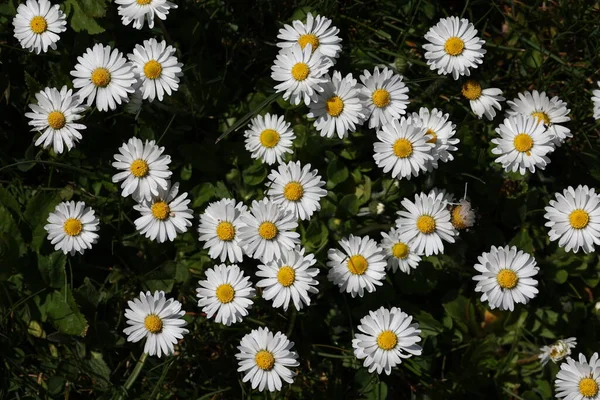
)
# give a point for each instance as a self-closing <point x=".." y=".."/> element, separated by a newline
<point x="265" y="360"/>
<point x="387" y="340"/>
<point x="56" y="120"/>
<point x="139" y="168"/>
<point x="507" y="279"/>
<point x="153" y="323"/>
<point x="38" y="24"/>
<point x="588" y="387"/>
<point x="225" y="293"/>
<point x="293" y="191"/>
<point x="471" y="90"/>
<point x="433" y="135"/>
<point x="400" y="250"/>
<point x="143" y="2"/>
<point x="160" y="210"/>
<point x="541" y="117"/>
<point x="72" y="226"/>
<point x="381" y="98"/>
<point x="334" y="106"/>
<point x="579" y="219"/>
<point x="152" y="69"/>
<point x="286" y="276"/>
<point x="300" y="71"/>
<point x="226" y="231"/>
<point x="454" y="46"/>
<point x="101" y="77"/>
<point x="403" y="148"/>
<point x="357" y="264"/>
<point x="426" y="224"/>
<point x="523" y="143"/>
<point x="458" y="221"/>
<point x="309" y="38"/>
<point x="268" y="230"/>
<point x="269" y="138"/>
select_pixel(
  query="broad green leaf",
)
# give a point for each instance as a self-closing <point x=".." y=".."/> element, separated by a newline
<point x="64" y="314"/>
<point x="52" y="269"/>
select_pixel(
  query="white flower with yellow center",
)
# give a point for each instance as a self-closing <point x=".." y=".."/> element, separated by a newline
<point x="385" y="96"/>
<point x="140" y="11"/>
<point x="296" y="189"/>
<point x="269" y="138"/>
<point x="549" y="112"/>
<point x="579" y="380"/>
<point x="158" y="320"/>
<point x="317" y="31"/>
<point x="596" y="101"/>
<point x="523" y="144"/>
<point x="453" y="47"/>
<point x="165" y="215"/>
<point x="72" y="227"/>
<point x="268" y="231"/>
<point x="361" y="265"/>
<point x="506" y="277"/>
<point x="398" y="254"/>
<point x="463" y="215"/>
<point x="219" y="228"/>
<point x="104" y="75"/>
<point x="440" y="132"/>
<point x="482" y="101"/>
<point x="574" y="219"/>
<point x="387" y="337"/>
<point x="225" y="294"/>
<point x="403" y="148"/>
<point x="266" y="359"/>
<point x="557" y="351"/>
<point x="156" y="68"/>
<point x="37" y="25"/>
<point x="425" y="223"/>
<point x="289" y="278"/>
<point x="54" y="116"/>
<point x="301" y="72"/>
<point x="146" y="170"/>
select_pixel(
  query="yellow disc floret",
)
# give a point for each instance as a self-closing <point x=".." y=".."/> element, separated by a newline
<point x="268" y="230"/>
<point x="139" y="168"/>
<point x="471" y="90"/>
<point x="72" y="227"/>
<point x="507" y="279"/>
<point x="579" y="219"/>
<point x="458" y="221"/>
<point x="293" y="191"/>
<point x="357" y="264"/>
<point x="541" y="117"/>
<point x="309" y="38"/>
<point x="286" y="276"/>
<point x="523" y="143"/>
<point x="160" y="210"/>
<point x="403" y="148"/>
<point x="454" y="46"/>
<point x="57" y="120"/>
<point x="152" y="69"/>
<point x="225" y="231"/>
<point x="269" y="138"/>
<point x="101" y="77"/>
<point x="38" y="24"/>
<point x="334" y="106"/>
<point x="588" y="387"/>
<point x="387" y="340"/>
<point x="433" y="135"/>
<point x="225" y="293"/>
<point x="143" y="2"/>
<point x="264" y="360"/>
<point x="381" y="98"/>
<point x="153" y="323"/>
<point x="426" y="224"/>
<point x="400" y="250"/>
<point x="300" y="71"/>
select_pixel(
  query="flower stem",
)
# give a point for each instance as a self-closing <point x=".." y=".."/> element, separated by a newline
<point x="134" y="374"/>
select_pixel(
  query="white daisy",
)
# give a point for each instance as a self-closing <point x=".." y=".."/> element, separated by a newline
<point x="385" y="96"/>
<point x="37" y="25"/>
<point x="440" y="132"/>
<point x="549" y="112"/>
<point x="156" y="68"/>
<point x="269" y="138"/>
<point x="104" y="75"/>
<point x="72" y="227"/>
<point x="219" y="228"/>
<point x="139" y="11"/>
<point x="574" y="219"/>
<point x="301" y="72"/>
<point x="146" y="169"/>
<point x="403" y="148"/>
<point x="361" y="265"/>
<point x="441" y="195"/>
<point x="398" y="254"/>
<point x="557" y="351"/>
<point x="54" y="115"/>
<point x="453" y="47"/>
<point x="296" y="189"/>
<point x="506" y="277"/>
<point x="596" y="101"/>
<point x="338" y="109"/>
<point x="387" y="337"/>
<point x="225" y="292"/>
<point x="266" y="359"/>
<point x="482" y="101"/>
<point x="427" y="223"/>
<point x="158" y="320"/>
<point x="462" y="215"/>
<point x="289" y="278"/>
<point x="523" y="144"/>
<point x="317" y="31"/>
<point x="268" y="231"/>
<point x="579" y="380"/>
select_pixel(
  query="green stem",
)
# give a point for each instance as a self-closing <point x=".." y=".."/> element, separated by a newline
<point x="134" y="374"/>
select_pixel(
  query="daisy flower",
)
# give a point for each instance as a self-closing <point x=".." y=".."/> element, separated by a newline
<point x="54" y="115"/>
<point x="398" y="254"/>
<point x="441" y="195"/>
<point x="72" y="227"/>
<point x="403" y="148"/>
<point x="104" y="75"/>
<point x="139" y="11"/>
<point x="440" y="132"/>
<point x="385" y="96"/>
<point x="596" y="101"/>
<point x="156" y="68"/>
<point x="297" y="189"/>
<point x="225" y="292"/>
<point x="289" y="278"/>
<point x="482" y="101"/>
<point x="462" y="215"/>
<point x="425" y="223"/>
<point x="574" y="219"/>
<point x="37" y="25"/>
<point x="269" y="138"/>
<point x="146" y="169"/>
<point x="301" y="72"/>
<point x="361" y="265"/>
<point x="338" y="109"/>
<point x="387" y="337"/>
<point x="266" y="359"/>
<point x="157" y="319"/>
<point x="579" y="380"/>
<point x="219" y="228"/>
<point x="268" y="231"/>
<point x="453" y="47"/>
<point x="506" y="277"/>
<point x="557" y="351"/>
<point x="549" y="112"/>
<point x="317" y="31"/>
<point x="523" y="144"/>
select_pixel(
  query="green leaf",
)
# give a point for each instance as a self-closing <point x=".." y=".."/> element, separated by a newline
<point x="99" y="369"/>
<point x="202" y="194"/>
<point x="80" y="20"/>
<point x="349" y="203"/>
<point x="52" y="269"/>
<point x="7" y="200"/>
<point x="336" y="173"/>
<point x="561" y="276"/>
<point x="255" y="175"/>
<point x="64" y="314"/>
<point x="32" y="85"/>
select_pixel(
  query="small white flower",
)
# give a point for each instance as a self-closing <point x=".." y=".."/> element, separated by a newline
<point x="317" y="31"/>
<point x="398" y="254"/>
<point x="385" y="96"/>
<point x="380" y="208"/>
<point x="482" y="101"/>
<point x="557" y="351"/>
<point x="156" y="319"/>
<point x="506" y="277"/>
<point x="54" y="115"/>
<point x="37" y="25"/>
<point x="387" y="337"/>
<point x="139" y="11"/>
<point x="440" y="132"/>
<point x="269" y="138"/>
<point x="225" y="292"/>
<point x="266" y="359"/>
<point x="596" y="101"/>
<point x="579" y="380"/>
<point x="463" y="216"/>
<point x="219" y="228"/>
<point x="72" y="227"/>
